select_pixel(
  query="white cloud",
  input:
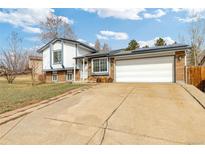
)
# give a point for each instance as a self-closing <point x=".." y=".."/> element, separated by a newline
<point x="131" y="14"/>
<point x="151" y="43"/>
<point x="84" y="41"/>
<point x="32" y="38"/>
<point x="188" y="19"/>
<point x="157" y="14"/>
<point x="81" y="40"/>
<point x="91" y="44"/>
<point x="28" y="19"/>
<point x="189" y="10"/>
<point x="101" y="37"/>
<point x="66" y="20"/>
<point x="30" y="29"/>
<point x="192" y="14"/>
<point x="176" y="9"/>
<point x="112" y="35"/>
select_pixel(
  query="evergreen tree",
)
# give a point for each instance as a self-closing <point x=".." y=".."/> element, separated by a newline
<point x="133" y="45"/>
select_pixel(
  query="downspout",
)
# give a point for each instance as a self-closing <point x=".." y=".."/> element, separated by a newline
<point x="74" y="71"/>
<point x="175" y="68"/>
<point x="83" y="68"/>
<point x="185" y="59"/>
<point x="51" y="56"/>
<point x="62" y="54"/>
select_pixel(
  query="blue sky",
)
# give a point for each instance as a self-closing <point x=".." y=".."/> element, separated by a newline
<point x="114" y="26"/>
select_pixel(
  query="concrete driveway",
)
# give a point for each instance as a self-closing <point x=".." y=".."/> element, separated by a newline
<point x="114" y="114"/>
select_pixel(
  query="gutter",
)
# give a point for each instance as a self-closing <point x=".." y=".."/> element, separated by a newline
<point x="137" y="53"/>
<point x="156" y="54"/>
<point x="59" y="69"/>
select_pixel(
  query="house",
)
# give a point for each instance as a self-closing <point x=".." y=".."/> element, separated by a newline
<point x="36" y="63"/>
<point x="70" y="60"/>
<point x="202" y="63"/>
<point x="59" y="64"/>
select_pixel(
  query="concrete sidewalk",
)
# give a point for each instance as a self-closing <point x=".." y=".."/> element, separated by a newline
<point x="114" y="114"/>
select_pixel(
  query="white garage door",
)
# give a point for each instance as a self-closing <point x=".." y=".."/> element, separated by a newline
<point x="158" y="69"/>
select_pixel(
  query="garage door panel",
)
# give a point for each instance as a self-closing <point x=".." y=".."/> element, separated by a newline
<point x="145" y="67"/>
<point x="148" y="61"/>
<point x="145" y="74"/>
<point x="144" y="79"/>
<point x="145" y="70"/>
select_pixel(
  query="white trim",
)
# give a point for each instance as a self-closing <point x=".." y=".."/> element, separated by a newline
<point x="103" y="71"/>
<point x="56" y="77"/>
<point x="56" y="63"/>
<point x="83" y="68"/>
<point x="75" y="61"/>
<point x="145" y="55"/>
<point x="67" y="76"/>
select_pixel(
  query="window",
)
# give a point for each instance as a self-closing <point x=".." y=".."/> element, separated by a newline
<point x="100" y="65"/>
<point x="57" y="57"/>
<point x="69" y="76"/>
<point x="54" y="77"/>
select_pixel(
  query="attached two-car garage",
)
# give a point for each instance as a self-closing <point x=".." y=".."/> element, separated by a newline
<point x="156" y="69"/>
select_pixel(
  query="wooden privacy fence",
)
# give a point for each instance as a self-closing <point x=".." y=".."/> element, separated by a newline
<point x="196" y="76"/>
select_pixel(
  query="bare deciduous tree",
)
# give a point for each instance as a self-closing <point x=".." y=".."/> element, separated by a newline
<point x="106" y="47"/>
<point x="97" y="45"/>
<point x="55" y="27"/>
<point x="197" y="32"/>
<point x="13" y="60"/>
<point x="34" y="66"/>
<point x="34" y="63"/>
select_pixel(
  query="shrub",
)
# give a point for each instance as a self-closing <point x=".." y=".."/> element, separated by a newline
<point x="110" y="80"/>
<point x="98" y="80"/>
<point x="42" y="78"/>
<point x="103" y="79"/>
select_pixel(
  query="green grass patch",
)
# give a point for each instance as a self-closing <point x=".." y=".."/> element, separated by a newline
<point x="22" y="93"/>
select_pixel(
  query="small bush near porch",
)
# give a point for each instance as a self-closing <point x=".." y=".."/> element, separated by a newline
<point x="22" y="93"/>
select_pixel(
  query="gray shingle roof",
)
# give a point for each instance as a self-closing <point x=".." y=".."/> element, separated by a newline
<point x="121" y="52"/>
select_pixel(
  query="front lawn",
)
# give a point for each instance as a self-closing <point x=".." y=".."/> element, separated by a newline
<point x="22" y="93"/>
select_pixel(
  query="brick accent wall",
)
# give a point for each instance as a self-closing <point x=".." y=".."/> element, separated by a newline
<point x="61" y="76"/>
<point x="48" y="77"/>
<point x="180" y="66"/>
<point x="77" y="75"/>
<point x="112" y="68"/>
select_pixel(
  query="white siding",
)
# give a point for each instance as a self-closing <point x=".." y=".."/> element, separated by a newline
<point x="46" y="59"/>
<point x="69" y="54"/>
<point x="57" y="45"/>
<point x="82" y="51"/>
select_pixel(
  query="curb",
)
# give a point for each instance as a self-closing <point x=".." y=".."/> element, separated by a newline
<point x="12" y="115"/>
<point x="195" y="93"/>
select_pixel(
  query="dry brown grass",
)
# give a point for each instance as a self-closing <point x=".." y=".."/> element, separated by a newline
<point x="22" y="93"/>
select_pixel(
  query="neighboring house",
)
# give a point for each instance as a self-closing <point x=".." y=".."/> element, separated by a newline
<point x="202" y="63"/>
<point x="36" y="63"/>
<point x="71" y="60"/>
